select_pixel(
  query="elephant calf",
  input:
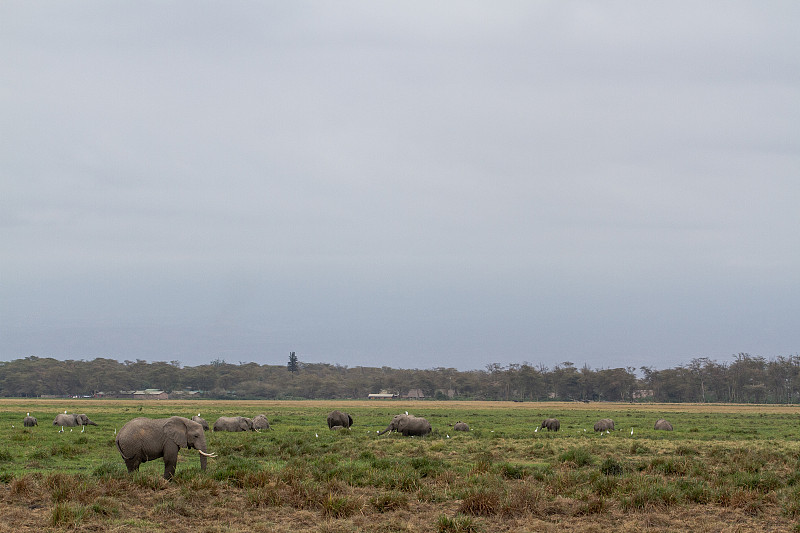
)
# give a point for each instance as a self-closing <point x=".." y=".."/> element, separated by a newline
<point x="605" y="424"/>
<point x="460" y="426"/>
<point x="551" y="424"/>
<point x="338" y="418"/>
<point x="663" y="424"/>
<point x="72" y="420"/>
<point x="200" y="421"/>
<point x="260" y="422"/>
<point x="30" y="421"/>
<point x="144" y="439"/>
<point x="233" y="423"/>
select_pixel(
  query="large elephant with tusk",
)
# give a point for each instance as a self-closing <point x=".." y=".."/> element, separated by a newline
<point x="144" y="439"/>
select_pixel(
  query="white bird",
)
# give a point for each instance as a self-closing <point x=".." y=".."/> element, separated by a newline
<point x="608" y="432"/>
<point x="115" y="431"/>
<point x="83" y="429"/>
<point x="28" y="414"/>
<point x="536" y="430"/>
<point x="492" y="431"/>
<point x="631" y="431"/>
<point x="62" y="429"/>
<point x="198" y="414"/>
<point x="12" y="426"/>
<point x="70" y="430"/>
<point x="406" y="412"/>
<point x="65" y="411"/>
<point x="448" y="436"/>
<point x="316" y="435"/>
<point x="584" y="430"/>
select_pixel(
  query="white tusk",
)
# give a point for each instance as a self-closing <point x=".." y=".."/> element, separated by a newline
<point x="207" y="454"/>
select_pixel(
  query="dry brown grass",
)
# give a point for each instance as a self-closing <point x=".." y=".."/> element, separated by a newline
<point x="27" y="506"/>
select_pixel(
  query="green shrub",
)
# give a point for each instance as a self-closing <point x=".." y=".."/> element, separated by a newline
<point x="611" y="467"/>
<point x="579" y="456"/>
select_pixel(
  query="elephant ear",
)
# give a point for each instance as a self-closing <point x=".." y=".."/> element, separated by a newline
<point x="175" y="430"/>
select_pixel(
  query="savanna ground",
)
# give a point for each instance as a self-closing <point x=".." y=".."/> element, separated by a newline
<point x="724" y="468"/>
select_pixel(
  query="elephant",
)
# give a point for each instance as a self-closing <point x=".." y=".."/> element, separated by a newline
<point x="144" y="439"/>
<point x="338" y="418"/>
<point x="233" y="423"/>
<point x="552" y="424"/>
<point x="461" y="426"/>
<point x="200" y="421"/>
<point x="663" y="424"/>
<point x="604" y="424"/>
<point x="408" y="425"/>
<point x="260" y="422"/>
<point x="30" y="421"/>
<point x="72" y="420"/>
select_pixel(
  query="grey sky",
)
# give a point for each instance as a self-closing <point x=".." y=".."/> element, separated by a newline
<point x="409" y="184"/>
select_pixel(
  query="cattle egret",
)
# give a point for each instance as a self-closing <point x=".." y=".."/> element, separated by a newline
<point x="631" y="432"/>
<point x="29" y="414"/>
<point x="608" y="432"/>
<point x="83" y="429"/>
<point x="584" y="430"/>
<point x="406" y="412"/>
<point x="316" y="435"/>
<point x="448" y="436"/>
<point x="70" y="430"/>
<point x="65" y="411"/>
<point x="536" y="430"/>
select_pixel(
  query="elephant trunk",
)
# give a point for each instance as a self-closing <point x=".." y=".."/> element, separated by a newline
<point x="90" y="423"/>
<point x="385" y="430"/>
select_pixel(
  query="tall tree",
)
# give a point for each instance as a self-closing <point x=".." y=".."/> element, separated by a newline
<point x="293" y="365"/>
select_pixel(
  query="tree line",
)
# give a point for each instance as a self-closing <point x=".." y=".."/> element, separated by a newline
<point x="745" y="379"/>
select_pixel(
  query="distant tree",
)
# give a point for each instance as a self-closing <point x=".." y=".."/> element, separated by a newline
<point x="293" y="365"/>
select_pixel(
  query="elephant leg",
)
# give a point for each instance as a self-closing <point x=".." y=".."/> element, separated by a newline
<point x="170" y="460"/>
<point x="132" y="464"/>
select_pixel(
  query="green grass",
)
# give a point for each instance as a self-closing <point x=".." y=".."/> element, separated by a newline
<point x="742" y="459"/>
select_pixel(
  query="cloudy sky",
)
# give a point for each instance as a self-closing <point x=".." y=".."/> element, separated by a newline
<point x="410" y="184"/>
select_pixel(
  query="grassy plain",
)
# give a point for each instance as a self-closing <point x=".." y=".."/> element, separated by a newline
<point x="724" y="468"/>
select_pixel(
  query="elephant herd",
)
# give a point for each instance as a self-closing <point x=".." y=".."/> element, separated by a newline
<point x="144" y="439"/>
<point x="604" y="424"/>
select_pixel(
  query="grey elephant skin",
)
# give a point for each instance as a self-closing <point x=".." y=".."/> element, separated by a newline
<point x="551" y="424"/>
<point x="233" y="423"/>
<point x="663" y="424"/>
<point x="30" y="421"/>
<point x="72" y="420"/>
<point x="460" y="426"/>
<point x="605" y="424"/>
<point x="200" y="421"/>
<point x="260" y="422"/>
<point x="408" y="426"/>
<point x="144" y="439"/>
<point x="338" y="418"/>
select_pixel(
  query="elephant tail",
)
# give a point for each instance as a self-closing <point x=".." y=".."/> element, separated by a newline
<point x="126" y="458"/>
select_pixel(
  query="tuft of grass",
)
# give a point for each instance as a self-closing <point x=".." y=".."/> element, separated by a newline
<point x="337" y="506"/>
<point x="481" y="503"/>
<point x="66" y="515"/>
<point x="457" y="524"/>
<point x="578" y="456"/>
<point x="389" y="501"/>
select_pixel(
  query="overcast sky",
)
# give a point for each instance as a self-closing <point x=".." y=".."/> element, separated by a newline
<point x="409" y="184"/>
